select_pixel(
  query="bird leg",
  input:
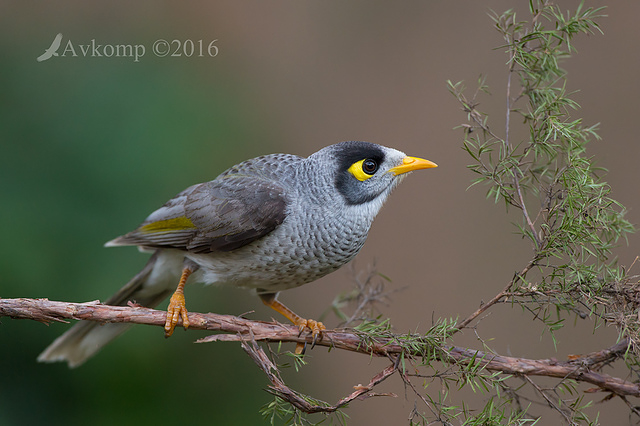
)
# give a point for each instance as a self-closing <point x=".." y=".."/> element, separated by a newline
<point x="177" y="305"/>
<point x="316" y="327"/>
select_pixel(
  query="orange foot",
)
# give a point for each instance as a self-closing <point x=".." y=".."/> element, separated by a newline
<point x="177" y="306"/>
<point x="316" y="327"/>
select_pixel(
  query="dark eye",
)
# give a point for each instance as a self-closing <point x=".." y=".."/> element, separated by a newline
<point x="369" y="166"/>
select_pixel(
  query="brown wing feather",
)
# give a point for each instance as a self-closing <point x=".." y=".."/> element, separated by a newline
<point x="234" y="211"/>
<point x="237" y="208"/>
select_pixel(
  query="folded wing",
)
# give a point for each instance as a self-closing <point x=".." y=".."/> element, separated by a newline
<point x="227" y="213"/>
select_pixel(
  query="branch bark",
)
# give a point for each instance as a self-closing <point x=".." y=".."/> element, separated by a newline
<point x="584" y="368"/>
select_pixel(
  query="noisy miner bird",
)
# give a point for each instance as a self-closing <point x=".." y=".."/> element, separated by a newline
<point x="270" y="224"/>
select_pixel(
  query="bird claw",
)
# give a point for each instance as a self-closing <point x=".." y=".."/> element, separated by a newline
<point x="301" y="348"/>
<point x="316" y="328"/>
<point x="177" y="308"/>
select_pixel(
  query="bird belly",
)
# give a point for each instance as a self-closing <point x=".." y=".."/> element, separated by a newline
<point x="284" y="259"/>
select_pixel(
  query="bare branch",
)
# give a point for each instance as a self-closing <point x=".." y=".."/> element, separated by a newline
<point x="580" y="368"/>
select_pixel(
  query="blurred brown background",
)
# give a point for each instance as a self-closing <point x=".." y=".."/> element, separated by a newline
<point x="90" y="146"/>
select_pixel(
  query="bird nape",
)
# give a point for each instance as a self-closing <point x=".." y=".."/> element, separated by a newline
<point x="269" y="224"/>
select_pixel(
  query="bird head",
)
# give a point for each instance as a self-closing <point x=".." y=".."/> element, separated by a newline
<point x="364" y="172"/>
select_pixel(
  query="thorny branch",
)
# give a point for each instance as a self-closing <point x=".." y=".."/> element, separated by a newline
<point x="584" y="368"/>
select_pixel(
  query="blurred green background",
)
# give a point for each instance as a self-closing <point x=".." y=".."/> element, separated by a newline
<point x="89" y="146"/>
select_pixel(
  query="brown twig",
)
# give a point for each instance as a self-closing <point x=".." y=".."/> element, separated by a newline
<point x="497" y="298"/>
<point x="278" y="387"/>
<point x="580" y="368"/>
<point x="550" y="401"/>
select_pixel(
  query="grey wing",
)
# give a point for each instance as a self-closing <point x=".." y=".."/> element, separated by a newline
<point x="233" y="211"/>
<point x="222" y="215"/>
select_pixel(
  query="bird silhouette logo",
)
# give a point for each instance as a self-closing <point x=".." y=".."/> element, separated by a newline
<point x="52" y="50"/>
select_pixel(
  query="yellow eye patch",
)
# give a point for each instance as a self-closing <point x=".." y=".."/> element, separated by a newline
<point x="363" y="169"/>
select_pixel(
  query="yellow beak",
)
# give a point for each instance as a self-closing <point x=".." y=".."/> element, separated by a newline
<point x="410" y="164"/>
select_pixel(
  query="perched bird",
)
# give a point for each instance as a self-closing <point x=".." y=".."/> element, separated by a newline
<point x="270" y="224"/>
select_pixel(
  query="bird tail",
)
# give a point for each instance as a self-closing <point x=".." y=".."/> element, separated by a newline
<point x="149" y="287"/>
